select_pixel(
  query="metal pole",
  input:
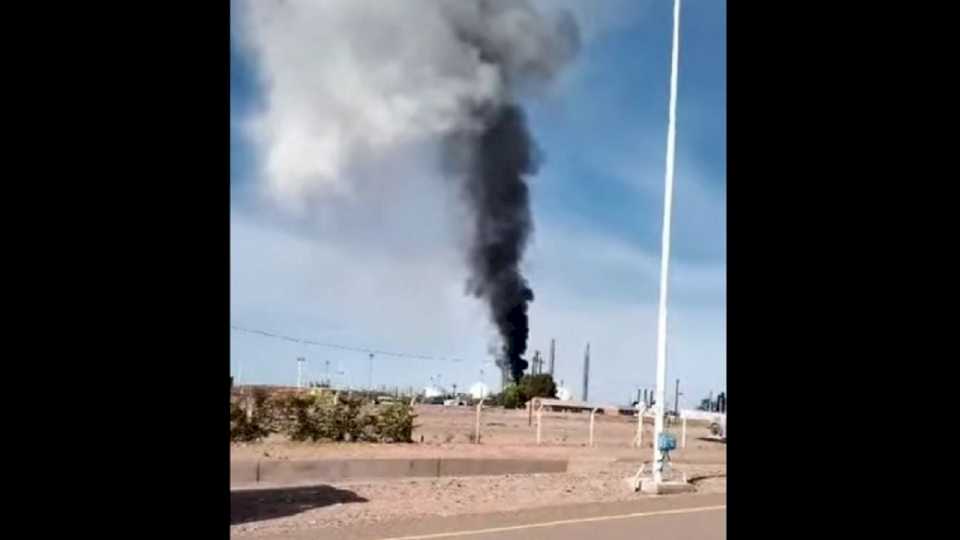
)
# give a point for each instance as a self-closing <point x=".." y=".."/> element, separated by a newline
<point x="539" y="421"/>
<point x="639" y="438"/>
<point x="476" y="429"/>
<point x="665" y="248"/>
<point x="676" y="399"/>
<point x="593" y="413"/>
<point x="370" y="385"/>
<point x="553" y="352"/>
<point x="683" y="436"/>
<point x="586" y="372"/>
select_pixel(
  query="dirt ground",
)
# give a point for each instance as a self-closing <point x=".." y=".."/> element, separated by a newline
<point x="594" y="475"/>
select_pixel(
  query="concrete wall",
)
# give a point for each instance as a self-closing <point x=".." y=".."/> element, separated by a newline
<point x="275" y="472"/>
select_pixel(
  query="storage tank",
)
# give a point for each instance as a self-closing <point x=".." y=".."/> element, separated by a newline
<point x="479" y="390"/>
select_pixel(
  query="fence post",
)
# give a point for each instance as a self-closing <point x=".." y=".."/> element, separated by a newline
<point x="593" y="413"/>
<point x="476" y="437"/>
<point x="539" y="421"/>
<point x="638" y="440"/>
<point x="683" y="436"/>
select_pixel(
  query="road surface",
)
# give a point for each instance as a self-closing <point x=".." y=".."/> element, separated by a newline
<point x="681" y="517"/>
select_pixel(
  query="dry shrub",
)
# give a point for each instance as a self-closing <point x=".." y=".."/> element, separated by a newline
<point x="328" y="418"/>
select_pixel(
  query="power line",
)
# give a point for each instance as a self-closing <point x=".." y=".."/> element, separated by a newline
<point x="341" y="347"/>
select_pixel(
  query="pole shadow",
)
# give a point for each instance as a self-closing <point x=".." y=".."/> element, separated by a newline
<point x="260" y="504"/>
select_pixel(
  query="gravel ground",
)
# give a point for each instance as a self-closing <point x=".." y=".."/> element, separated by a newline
<point x="447" y="432"/>
<point x="267" y="512"/>
<point x="594" y="474"/>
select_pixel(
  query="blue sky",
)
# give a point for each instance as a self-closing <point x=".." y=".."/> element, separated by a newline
<point x="593" y="262"/>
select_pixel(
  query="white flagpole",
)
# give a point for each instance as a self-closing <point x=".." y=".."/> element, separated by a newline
<point x="665" y="252"/>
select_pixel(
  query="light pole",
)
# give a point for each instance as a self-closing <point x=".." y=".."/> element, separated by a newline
<point x="676" y="399"/>
<point x="300" y="361"/>
<point x="665" y="250"/>
<point x="370" y="383"/>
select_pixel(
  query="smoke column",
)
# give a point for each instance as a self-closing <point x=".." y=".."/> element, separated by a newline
<point x="350" y="83"/>
<point x="496" y="189"/>
<point x="499" y="157"/>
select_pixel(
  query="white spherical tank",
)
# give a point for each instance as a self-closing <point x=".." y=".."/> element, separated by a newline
<point x="564" y="394"/>
<point x="432" y="392"/>
<point x="479" y="390"/>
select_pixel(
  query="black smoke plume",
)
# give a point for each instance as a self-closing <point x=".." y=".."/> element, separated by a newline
<point x="497" y="159"/>
<point x="503" y="155"/>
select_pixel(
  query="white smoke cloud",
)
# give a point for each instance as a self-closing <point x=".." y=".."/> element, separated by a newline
<point x="353" y="82"/>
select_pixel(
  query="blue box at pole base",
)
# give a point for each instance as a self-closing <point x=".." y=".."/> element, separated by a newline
<point x="667" y="442"/>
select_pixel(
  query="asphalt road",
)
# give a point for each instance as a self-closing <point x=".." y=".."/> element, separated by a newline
<point x="681" y="517"/>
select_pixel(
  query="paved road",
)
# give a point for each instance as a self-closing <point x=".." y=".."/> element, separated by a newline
<point x="687" y="517"/>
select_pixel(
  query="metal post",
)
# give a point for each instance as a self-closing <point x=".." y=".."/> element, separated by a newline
<point x="300" y="372"/>
<point x="586" y="373"/>
<point x="639" y="438"/>
<point x="370" y="383"/>
<point x="476" y="430"/>
<point x="665" y="248"/>
<point x="683" y="436"/>
<point x="676" y="399"/>
<point x="593" y="413"/>
<point x="539" y="422"/>
<point x="553" y="347"/>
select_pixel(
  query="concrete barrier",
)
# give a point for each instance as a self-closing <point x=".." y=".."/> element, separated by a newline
<point x="334" y="470"/>
<point x="486" y="467"/>
<point x="338" y="470"/>
<point x="244" y="472"/>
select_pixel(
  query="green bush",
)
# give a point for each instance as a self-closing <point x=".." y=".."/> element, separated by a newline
<point x="395" y="423"/>
<point x="511" y="398"/>
<point x="304" y="417"/>
<point x="258" y="425"/>
<point x="532" y="386"/>
<point x="326" y="418"/>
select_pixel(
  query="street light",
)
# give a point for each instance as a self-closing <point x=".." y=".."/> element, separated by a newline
<point x="665" y="250"/>
<point x="370" y="384"/>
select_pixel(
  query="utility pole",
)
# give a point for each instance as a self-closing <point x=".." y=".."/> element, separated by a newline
<point x="676" y="399"/>
<point x="553" y="347"/>
<point x="586" y="372"/>
<point x="300" y="361"/>
<point x="370" y="384"/>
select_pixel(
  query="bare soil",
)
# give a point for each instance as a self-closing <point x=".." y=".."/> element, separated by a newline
<point x="595" y="474"/>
